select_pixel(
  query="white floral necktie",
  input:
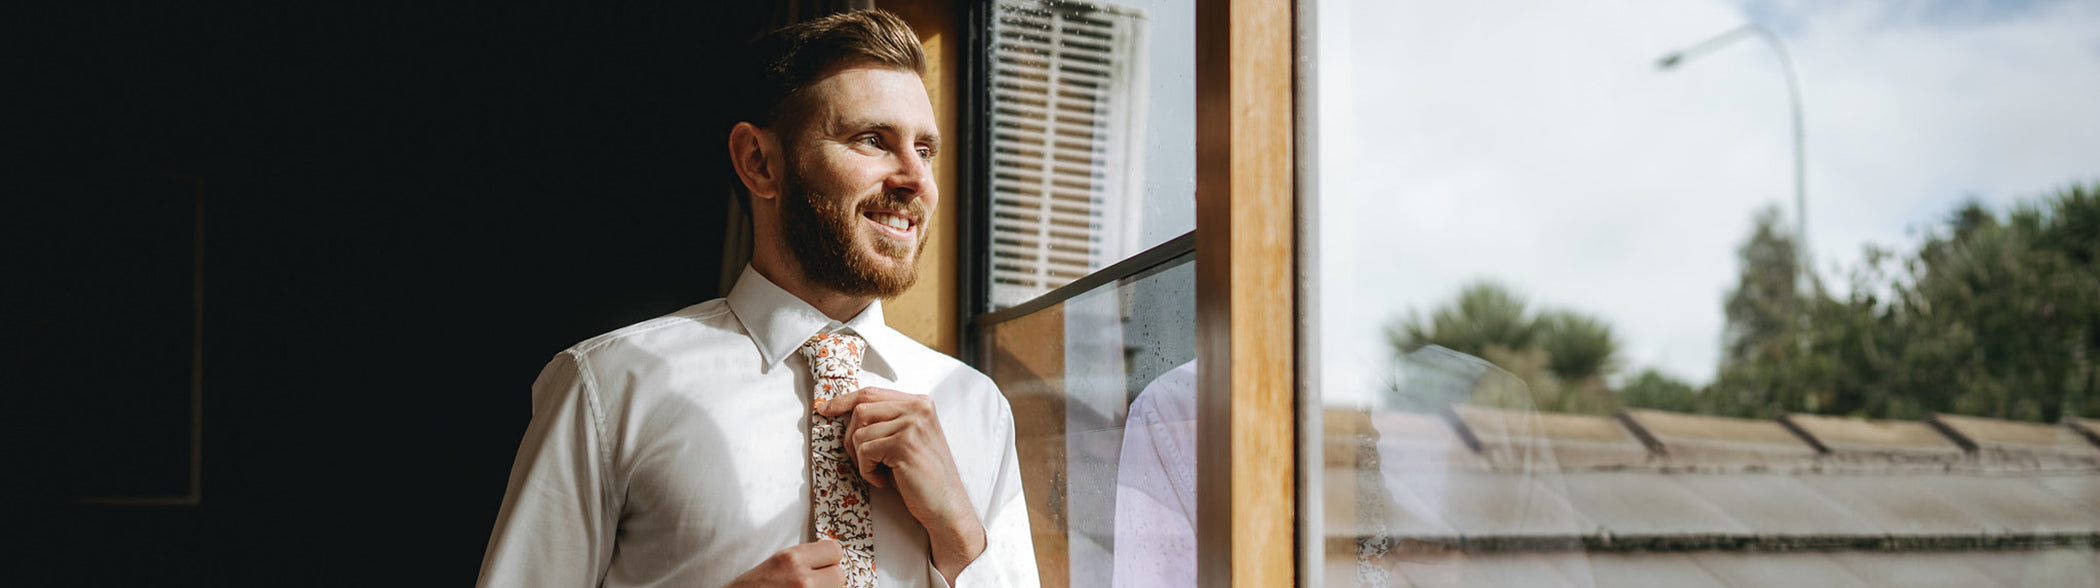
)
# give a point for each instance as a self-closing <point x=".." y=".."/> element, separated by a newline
<point x="839" y="495"/>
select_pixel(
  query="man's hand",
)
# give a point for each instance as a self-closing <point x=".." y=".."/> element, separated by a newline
<point x="896" y="441"/>
<point x="808" y="565"/>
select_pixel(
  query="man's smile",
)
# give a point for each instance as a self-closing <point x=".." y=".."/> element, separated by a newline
<point x="896" y="225"/>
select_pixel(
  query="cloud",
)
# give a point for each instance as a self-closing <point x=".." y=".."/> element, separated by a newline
<point x="1537" y="143"/>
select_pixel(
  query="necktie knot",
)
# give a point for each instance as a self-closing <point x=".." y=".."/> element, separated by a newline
<point x="834" y="355"/>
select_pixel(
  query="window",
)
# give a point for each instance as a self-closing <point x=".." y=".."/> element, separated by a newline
<point x="1066" y="133"/>
<point x="1575" y="329"/>
<point x="1103" y="389"/>
<point x="1089" y="163"/>
<point x="1086" y="316"/>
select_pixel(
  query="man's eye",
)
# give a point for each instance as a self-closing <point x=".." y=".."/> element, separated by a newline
<point x="926" y="154"/>
<point x="872" y="141"/>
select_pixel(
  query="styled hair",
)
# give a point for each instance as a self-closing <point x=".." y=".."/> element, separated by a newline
<point x="787" y="60"/>
<point x="779" y="66"/>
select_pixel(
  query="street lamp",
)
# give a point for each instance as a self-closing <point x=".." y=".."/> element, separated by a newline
<point x="1793" y="94"/>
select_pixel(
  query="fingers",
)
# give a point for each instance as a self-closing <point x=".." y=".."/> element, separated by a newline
<point x="821" y="553"/>
<point x="844" y="403"/>
<point x="875" y="412"/>
<point x="870" y="410"/>
<point x="809" y="564"/>
<point x="875" y="454"/>
<point x="869" y="456"/>
<point x="830" y="576"/>
<point x="866" y="415"/>
<point x="887" y="426"/>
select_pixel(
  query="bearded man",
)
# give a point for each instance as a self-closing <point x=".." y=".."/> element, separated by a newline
<point x="701" y="449"/>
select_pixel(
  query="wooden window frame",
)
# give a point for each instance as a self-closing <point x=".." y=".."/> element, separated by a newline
<point x="1247" y="287"/>
<point x="1246" y="310"/>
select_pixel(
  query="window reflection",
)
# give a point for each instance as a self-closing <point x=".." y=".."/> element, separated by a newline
<point x="1102" y="388"/>
<point x="1156" y="485"/>
<point x="1575" y="332"/>
<point x="1092" y="137"/>
<point x="1089" y="324"/>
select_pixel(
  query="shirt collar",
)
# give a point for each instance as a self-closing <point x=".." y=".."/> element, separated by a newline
<point x="779" y="323"/>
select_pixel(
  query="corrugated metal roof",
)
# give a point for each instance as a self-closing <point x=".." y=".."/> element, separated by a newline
<point x="1629" y="503"/>
<point x="2011" y="504"/>
<point x="2090" y="428"/>
<point x="1575" y="441"/>
<point x="1650" y="570"/>
<point x="1720" y="442"/>
<point x="1759" y="570"/>
<point x="2081" y="488"/>
<point x="1902" y="439"/>
<point x="1810" y="505"/>
<point x="1663" y="499"/>
<point x="1423" y="441"/>
<point x="1896" y="505"/>
<point x="1490" y="570"/>
<point x="2068" y="568"/>
<point x="2075" y="568"/>
<point x="1774" y="503"/>
<point x="2016" y="445"/>
<point x="1909" y="570"/>
<point x="1490" y="503"/>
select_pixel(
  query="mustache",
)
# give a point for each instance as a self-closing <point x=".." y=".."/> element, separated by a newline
<point x="898" y="201"/>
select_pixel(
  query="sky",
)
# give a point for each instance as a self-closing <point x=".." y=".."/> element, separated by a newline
<point x="1536" y="143"/>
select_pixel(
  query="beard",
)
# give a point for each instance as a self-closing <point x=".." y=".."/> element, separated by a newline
<point x="821" y="230"/>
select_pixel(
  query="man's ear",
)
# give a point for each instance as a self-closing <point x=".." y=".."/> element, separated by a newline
<point x="757" y="157"/>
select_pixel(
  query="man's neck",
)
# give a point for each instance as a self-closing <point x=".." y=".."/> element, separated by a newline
<point x="840" y="307"/>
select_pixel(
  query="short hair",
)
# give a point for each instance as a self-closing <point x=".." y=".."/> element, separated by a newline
<point x="778" y="66"/>
<point x="790" y="58"/>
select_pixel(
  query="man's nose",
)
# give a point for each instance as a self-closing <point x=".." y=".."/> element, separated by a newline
<point x="913" y="175"/>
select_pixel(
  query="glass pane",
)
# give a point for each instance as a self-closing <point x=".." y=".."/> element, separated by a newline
<point x="1092" y="130"/>
<point x="1575" y="327"/>
<point x="1110" y="504"/>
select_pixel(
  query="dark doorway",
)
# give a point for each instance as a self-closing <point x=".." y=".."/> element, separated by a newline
<point x="406" y="212"/>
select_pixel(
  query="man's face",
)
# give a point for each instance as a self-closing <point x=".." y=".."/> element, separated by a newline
<point x="858" y="187"/>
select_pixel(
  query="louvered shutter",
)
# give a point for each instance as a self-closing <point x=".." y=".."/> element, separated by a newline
<point x="1066" y="127"/>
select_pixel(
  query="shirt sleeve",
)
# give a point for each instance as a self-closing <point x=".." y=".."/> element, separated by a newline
<point x="1155" y="528"/>
<point x="1009" y="554"/>
<point x="557" y="522"/>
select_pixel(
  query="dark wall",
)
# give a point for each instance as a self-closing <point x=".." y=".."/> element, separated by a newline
<point x="408" y="210"/>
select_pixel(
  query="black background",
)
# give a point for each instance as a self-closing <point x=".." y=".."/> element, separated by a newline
<point x="409" y="209"/>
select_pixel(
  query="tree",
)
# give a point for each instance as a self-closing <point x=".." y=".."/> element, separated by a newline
<point x="1765" y="305"/>
<point x="1655" y="390"/>
<point x="1990" y="316"/>
<point x="2004" y="315"/>
<point x="1485" y="314"/>
<point x="1993" y="315"/>
<point x="1765" y="366"/>
<point x="1581" y="347"/>
<point x="1562" y="357"/>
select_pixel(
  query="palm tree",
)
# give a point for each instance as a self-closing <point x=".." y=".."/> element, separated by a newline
<point x="1485" y="315"/>
<point x="1581" y="346"/>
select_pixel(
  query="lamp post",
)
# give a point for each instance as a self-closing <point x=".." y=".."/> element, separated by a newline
<point x="1793" y="94"/>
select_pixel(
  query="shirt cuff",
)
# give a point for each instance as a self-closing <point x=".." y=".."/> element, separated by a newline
<point x="973" y="575"/>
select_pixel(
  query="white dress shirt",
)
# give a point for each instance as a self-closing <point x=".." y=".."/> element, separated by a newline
<point x="675" y="452"/>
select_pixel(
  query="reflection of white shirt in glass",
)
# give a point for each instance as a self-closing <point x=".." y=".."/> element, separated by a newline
<point x="1156" y="485"/>
<point x="675" y="452"/>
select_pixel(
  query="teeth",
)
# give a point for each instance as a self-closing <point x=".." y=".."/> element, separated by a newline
<point x="896" y="222"/>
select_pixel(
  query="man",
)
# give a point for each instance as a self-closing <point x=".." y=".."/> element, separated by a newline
<point x="699" y="449"/>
